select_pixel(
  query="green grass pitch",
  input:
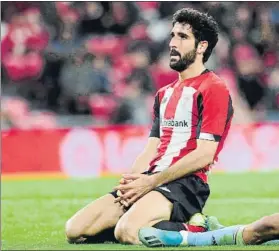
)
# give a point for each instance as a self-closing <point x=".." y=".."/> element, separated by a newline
<point x="34" y="212"/>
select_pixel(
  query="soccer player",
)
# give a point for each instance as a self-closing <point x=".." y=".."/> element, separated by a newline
<point x="192" y="116"/>
<point x="261" y="231"/>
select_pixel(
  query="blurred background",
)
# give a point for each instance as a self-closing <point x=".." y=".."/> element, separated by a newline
<point x="99" y="63"/>
<point x="96" y="66"/>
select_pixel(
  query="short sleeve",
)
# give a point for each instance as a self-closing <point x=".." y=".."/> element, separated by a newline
<point x="217" y="112"/>
<point x="155" y="130"/>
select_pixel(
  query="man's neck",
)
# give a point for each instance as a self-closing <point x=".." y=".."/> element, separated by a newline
<point x="192" y="71"/>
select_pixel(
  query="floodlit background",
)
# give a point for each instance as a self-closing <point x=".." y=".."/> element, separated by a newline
<point x="78" y="81"/>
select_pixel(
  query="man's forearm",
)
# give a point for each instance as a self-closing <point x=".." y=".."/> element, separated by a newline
<point x="191" y="163"/>
<point x="141" y="163"/>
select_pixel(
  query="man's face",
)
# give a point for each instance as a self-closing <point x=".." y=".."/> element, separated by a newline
<point x="182" y="47"/>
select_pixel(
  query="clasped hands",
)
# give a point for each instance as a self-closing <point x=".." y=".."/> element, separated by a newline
<point x="132" y="187"/>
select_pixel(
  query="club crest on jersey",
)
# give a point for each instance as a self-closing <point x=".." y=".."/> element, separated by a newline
<point x="174" y="123"/>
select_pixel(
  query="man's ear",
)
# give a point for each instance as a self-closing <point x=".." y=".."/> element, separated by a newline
<point x="202" y="46"/>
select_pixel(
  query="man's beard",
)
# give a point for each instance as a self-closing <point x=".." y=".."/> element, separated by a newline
<point x="184" y="62"/>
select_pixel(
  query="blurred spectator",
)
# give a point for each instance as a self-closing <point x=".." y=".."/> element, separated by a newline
<point x="250" y="83"/>
<point x="67" y="41"/>
<point x="21" y="47"/>
<point x="273" y="84"/>
<point x="79" y="79"/>
<point x="107" y="59"/>
<point x="133" y="107"/>
<point x="162" y="73"/>
<point x="249" y="67"/>
<point x="122" y="16"/>
<point x="94" y="18"/>
<point x="140" y="74"/>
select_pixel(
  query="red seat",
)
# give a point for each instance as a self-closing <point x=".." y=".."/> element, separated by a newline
<point x="109" y="45"/>
<point x="102" y="106"/>
<point x="148" y="5"/>
<point x="19" y="67"/>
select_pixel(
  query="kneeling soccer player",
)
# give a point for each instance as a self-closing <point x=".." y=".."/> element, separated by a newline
<point x="192" y="117"/>
<point x="258" y="232"/>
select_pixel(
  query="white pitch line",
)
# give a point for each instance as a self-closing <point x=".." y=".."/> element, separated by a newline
<point x="243" y="200"/>
<point x="246" y="200"/>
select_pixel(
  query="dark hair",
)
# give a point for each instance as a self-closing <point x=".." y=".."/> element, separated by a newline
<point x="204" y="27"/>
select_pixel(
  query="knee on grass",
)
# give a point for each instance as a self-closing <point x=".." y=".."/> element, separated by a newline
<point x="126" y="233"/>
<point x="74" y="232"/>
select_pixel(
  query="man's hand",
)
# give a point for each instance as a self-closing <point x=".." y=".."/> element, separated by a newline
<point x="131" y="192"/>
<point x="124" y="181"/>
<point x="119" y="193"/>
<point x="122" y="202"/>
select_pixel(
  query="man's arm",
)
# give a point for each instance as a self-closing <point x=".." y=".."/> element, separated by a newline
<point x="141" y="163"/>
<point x="202" y="156"/>
<point x="216" y="115"/>
<point x="192" y="162"/>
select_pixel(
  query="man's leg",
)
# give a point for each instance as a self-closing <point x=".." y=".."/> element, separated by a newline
<point x="197" y="223"/>
<point x="258" y="232"/>
<point x="265" y="229"/>
<point x="188" y="195"/>
<point x="147" y="211"/>
<point x="101" y="214"/>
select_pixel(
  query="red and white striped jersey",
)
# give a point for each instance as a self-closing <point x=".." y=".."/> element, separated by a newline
<point x="196" y="108"/>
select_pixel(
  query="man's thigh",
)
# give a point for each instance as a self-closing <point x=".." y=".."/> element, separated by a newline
<point x="147" y="211"/>
<point x="97" y="216"/>
<point x="188" y="195"/>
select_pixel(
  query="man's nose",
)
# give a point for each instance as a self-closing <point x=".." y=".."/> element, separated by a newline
<point x="173" y="43"/>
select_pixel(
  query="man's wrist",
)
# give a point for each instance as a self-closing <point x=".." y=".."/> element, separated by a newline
<point x="155" y="180"/>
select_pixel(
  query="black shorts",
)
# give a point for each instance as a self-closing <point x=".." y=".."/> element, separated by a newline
<point x="188" y="195"/>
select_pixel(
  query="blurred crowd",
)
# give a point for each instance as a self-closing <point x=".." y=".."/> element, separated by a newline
<point x="105" y="60"/>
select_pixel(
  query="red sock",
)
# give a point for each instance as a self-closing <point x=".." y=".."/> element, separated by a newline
<point x="194" y="229"/>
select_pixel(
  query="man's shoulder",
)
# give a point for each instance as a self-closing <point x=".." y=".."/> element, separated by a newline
<point x="214" y="79"/>
<point x="214" y="82"/>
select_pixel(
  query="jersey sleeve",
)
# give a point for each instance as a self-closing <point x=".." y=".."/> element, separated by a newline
<point x="155" y="130"/>
<point x="216" y="113"/>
